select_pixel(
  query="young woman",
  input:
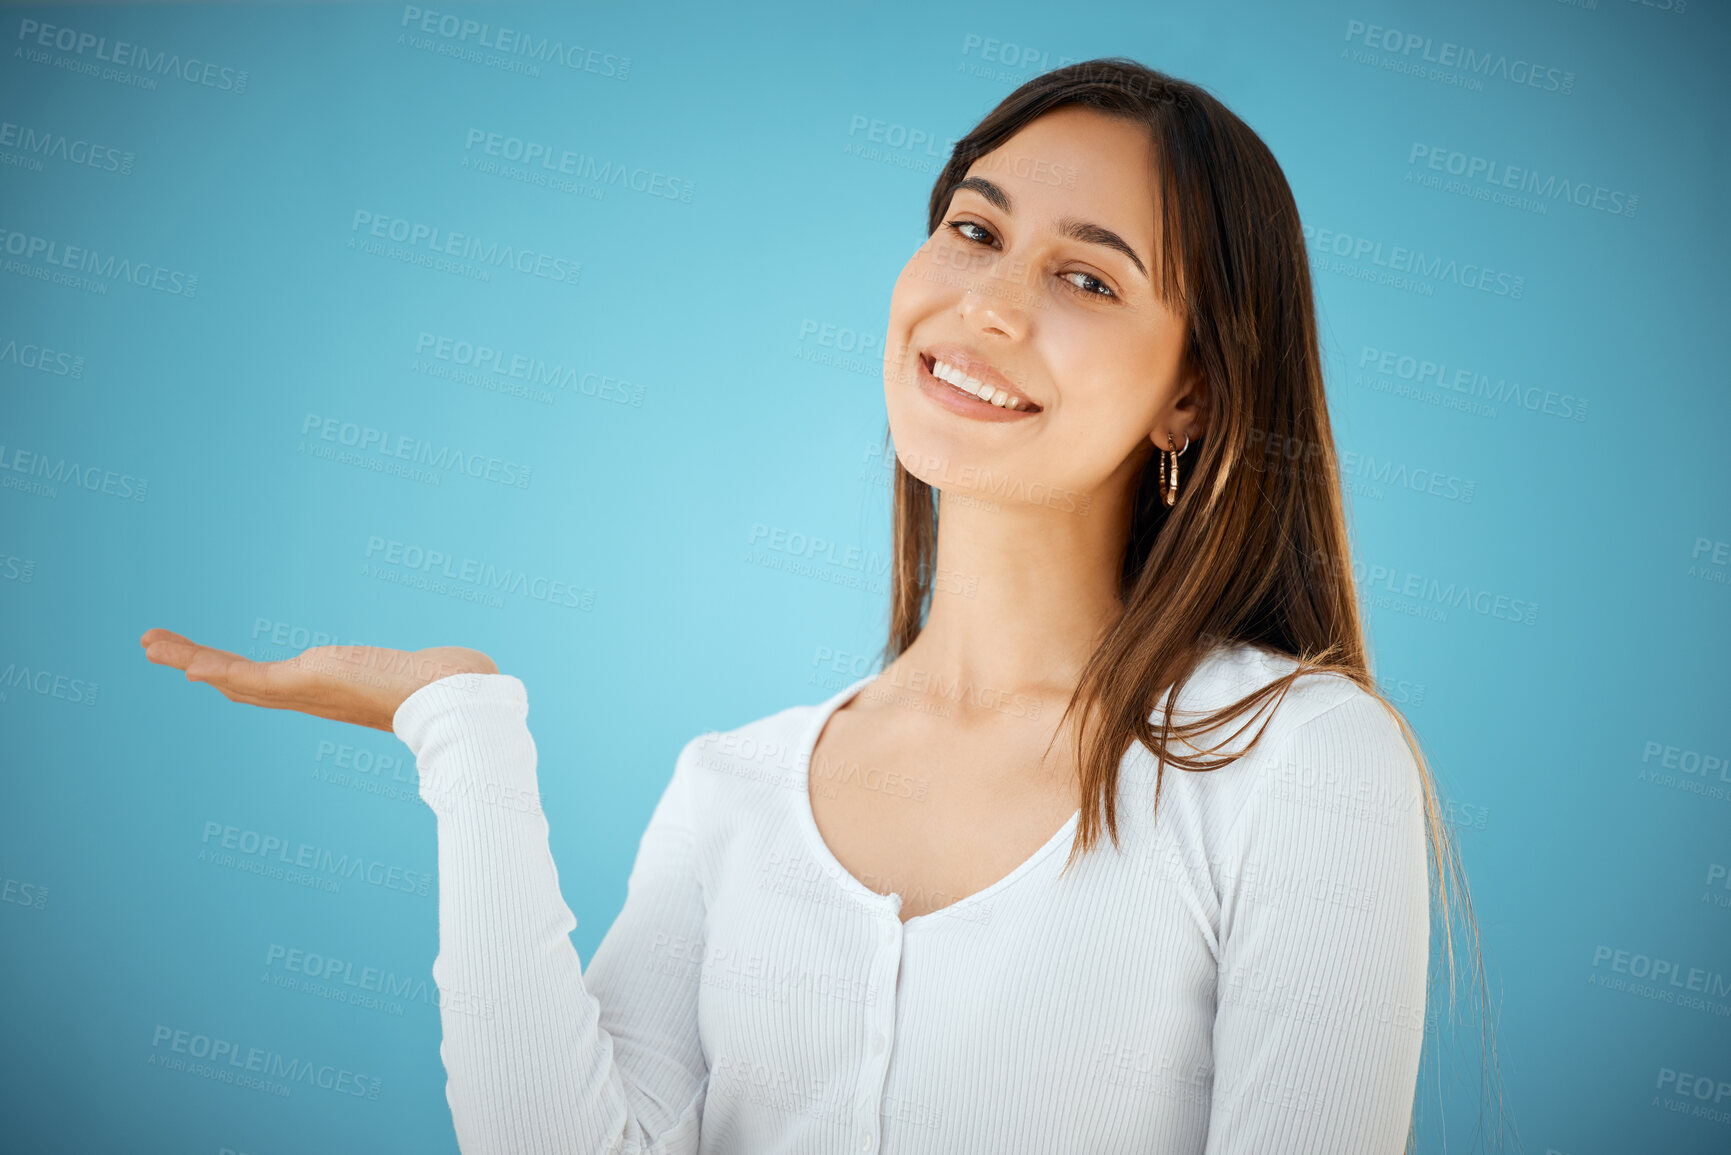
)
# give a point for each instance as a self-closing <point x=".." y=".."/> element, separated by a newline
<point x="848" y="927"/>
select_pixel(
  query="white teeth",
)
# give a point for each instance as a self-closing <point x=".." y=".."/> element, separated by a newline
<point x="1002" y="398"/>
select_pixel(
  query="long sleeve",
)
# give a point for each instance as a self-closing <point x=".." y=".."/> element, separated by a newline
<point x="535" y="1059"/>
<point x="1324" y="944"/>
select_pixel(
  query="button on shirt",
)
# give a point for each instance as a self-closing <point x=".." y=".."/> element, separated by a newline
<point x="1245" y="974"/>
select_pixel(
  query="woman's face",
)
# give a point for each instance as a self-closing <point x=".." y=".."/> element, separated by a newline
<point x="1025" y="287"/>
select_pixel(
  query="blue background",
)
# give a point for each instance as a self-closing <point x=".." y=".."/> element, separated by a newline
<point x="725" y="385"/>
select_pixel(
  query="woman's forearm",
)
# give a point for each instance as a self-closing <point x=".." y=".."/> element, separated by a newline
<point x="529" y="1066"/>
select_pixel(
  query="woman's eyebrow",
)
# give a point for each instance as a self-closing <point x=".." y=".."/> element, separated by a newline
<point x="1083" y="231"/>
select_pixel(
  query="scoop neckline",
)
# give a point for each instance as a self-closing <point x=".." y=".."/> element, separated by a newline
<point x="892" y="902"/>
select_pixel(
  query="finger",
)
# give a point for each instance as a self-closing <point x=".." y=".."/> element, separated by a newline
<point x="167" y="648"/>
<point x="239" y="674"/>
<point x="206" y="663"/>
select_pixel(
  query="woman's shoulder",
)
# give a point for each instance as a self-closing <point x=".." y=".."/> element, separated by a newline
<point x="1328" y="705"/>
<point x="1231" y="671"/>
<point x="1326" y="732"/>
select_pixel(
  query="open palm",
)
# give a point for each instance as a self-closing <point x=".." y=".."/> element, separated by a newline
<point x="359" y="684"/>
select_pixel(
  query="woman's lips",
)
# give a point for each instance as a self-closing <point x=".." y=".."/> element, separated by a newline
<point x="959" y="400"/>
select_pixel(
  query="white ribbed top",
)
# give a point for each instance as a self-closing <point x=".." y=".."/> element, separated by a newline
<point x="1244" y="976"/>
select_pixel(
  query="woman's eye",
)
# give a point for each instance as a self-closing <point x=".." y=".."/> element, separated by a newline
<point x="1096" y="280"/>
<point x="957" y="227"/>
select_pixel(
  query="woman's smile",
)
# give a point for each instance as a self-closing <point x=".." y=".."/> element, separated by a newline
<point x="955" y="395"/>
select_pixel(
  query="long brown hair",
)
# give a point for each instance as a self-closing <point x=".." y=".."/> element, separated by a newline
<point x="1255" y="550"/>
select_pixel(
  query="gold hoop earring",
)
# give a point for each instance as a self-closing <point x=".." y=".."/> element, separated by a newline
<point x="1169" y="483"/>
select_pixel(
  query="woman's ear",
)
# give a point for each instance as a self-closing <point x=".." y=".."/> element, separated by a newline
<point x="1188" y="415"/>
<point x="1192" y="405"/>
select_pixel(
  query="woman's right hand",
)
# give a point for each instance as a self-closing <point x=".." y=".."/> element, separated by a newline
<point x="359" y="684"/>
